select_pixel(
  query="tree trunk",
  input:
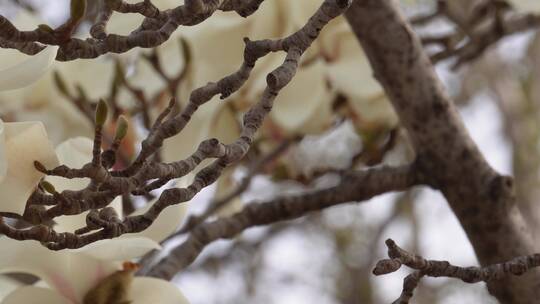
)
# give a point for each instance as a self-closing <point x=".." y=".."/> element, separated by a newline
<point x="482" y="199"/>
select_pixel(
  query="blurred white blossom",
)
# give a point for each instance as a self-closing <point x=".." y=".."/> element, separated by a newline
<point x="70" y="274"/>
<point x="333" y="150"/>
<point x="532" y="6"/>
<point x="18" y="176"/>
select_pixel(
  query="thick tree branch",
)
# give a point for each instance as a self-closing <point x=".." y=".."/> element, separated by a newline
<point x="482" y="199"/>
<point x="354" y="186"/>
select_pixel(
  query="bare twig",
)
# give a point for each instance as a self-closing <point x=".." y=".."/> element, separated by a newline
<point x="432" y="268"/>
<point x="137" y="179"/>
<point x="354" y="186"/>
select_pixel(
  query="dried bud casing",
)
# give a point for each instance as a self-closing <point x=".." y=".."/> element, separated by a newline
<point x="40" y="167"/>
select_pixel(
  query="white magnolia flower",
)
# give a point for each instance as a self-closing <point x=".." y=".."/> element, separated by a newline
<point x="70" y="274"/>
<point x="29" y="71"/>
<point x="7" y="285"/>
<point x="22" y="143"/>
<point x="41" y="100"/>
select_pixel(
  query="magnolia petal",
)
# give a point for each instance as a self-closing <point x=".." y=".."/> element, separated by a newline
<point x="297" y="13"/>
<point x="83" y="73"/>
<point x="256" y="84"/>
<point x="119" y="249"/>
<point x="262" y="24"/>
<point x="168" y="220"/>
<point x="73" y="153"/>
<point x="29" y="71"/>
<point x="69" y="273"/>
<point x="212" y="63"/>
<point x="374" y="111"/>
<point x="146" y="290"/>
<point x="305" y="104"/>
<point x="199" y="128"/>
<point x="286" y="17"/>
<point x="164" y="225"/>
<point x="35" y="295"/>
<point x="7" y="285"/>
<point x="186" y="142"/>
<point x="3" y="158"/>
<point x="532" y="6"/>
<point x="25" y="142"/>
<point x="348" y="68"/>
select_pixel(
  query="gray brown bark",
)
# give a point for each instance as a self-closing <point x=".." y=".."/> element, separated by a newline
<point x="482" y="199"/>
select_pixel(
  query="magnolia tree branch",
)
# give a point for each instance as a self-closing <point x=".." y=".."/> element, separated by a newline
<point x="156" y="28"/>
<point x="431" y="268"/>
<point x="254" y="168"/>
<point x="144" y="174"/>
<point x="482" y="199"/>
<point x="354" y="186"/>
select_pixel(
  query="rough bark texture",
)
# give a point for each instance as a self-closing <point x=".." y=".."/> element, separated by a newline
<point x="482" y="199"/>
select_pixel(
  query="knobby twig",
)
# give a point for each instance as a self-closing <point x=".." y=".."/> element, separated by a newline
<point x="354" y="187"/>
<point x="432" y="268"/>
<point x="156" y="28"/>
<point x="144" y="174"/>
<point x="254" y="168"/>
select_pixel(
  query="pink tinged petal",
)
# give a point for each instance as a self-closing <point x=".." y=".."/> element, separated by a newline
<point x="35" y="295"/>
<point x="28" y="71"/>
<point x="149" y="290"/>
<point x="24" y="143"/>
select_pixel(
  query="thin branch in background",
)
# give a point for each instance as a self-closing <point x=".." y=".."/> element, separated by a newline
<point x="24" y="5"/>
<point x="254" y="168"/>
<point x="485" y="25"/>
<point x="354" y="187"/>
